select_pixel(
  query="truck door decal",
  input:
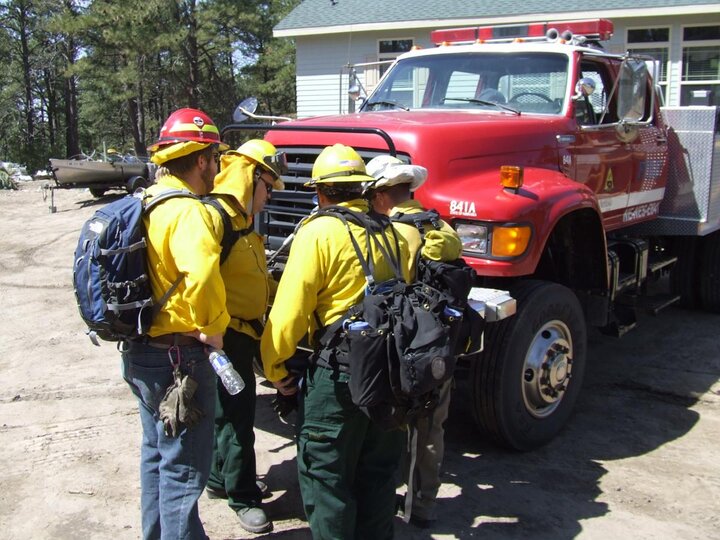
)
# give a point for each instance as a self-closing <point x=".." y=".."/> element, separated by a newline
<point x="609" y="182"/>
<point x="628" y="200"/>
<point x="641" y="212"/>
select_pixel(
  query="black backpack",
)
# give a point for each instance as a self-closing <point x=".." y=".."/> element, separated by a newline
<point x="110" y="274"/>
<point x="454" y="278"/>
<point x="398" y="344"/>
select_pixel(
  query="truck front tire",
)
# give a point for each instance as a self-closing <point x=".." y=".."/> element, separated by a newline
<point x="527" y="380"/>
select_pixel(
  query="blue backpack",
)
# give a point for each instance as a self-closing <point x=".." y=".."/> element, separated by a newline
<point x="110" y="275"/>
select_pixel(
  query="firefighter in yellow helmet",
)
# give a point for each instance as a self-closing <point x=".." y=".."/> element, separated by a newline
<point x="247" y="179"/>
<point x="346" y="464"/>
<point x="183" y="251"/>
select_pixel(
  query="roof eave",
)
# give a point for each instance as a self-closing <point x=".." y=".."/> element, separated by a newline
<point x="530" y="17"/>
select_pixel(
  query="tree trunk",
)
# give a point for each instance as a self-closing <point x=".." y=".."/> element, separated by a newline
<point x="24" y="31"/>
<point x="72" y="135"/>
<point x="191" y="51"/>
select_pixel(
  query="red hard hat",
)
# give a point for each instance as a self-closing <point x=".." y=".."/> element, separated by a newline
<point x="187" y="125"/>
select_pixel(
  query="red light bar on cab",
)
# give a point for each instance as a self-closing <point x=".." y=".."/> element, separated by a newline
<point x="597" y="29"/>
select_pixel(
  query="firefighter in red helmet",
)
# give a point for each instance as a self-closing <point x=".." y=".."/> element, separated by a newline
<point x="183" y="264"/>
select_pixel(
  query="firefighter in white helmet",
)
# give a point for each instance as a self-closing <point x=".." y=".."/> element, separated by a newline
<point x="346" y="464"/>
<point x="247" y="179"/>
<point x="391" y="194"/>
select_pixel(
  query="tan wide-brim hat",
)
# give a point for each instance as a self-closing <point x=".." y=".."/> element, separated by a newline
<point x="390" y="171"/>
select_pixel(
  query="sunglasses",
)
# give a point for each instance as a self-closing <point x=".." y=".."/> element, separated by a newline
<point x="268" y="185"/>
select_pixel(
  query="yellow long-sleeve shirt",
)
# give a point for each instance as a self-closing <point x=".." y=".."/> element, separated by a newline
<point x="182" y="240"/>
<point x="323" y="276"/>
<point x="247" y="283"/>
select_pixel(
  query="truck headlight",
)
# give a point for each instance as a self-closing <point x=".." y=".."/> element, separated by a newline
<point x="494" y="240"/>
<point x="474" y="238"/>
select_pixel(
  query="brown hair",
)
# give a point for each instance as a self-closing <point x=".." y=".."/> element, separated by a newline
<point x="341" y="192"/>
<point x="184" y="164"/>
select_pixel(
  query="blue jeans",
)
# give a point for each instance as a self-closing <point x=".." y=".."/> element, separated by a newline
<point x="173" y="471"/>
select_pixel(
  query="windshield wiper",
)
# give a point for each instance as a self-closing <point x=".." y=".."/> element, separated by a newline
<point x="483" y="102"/>
<point x="389" y="103"/>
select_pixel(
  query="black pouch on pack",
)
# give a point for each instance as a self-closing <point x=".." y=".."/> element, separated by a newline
<point x="369" y="345"/>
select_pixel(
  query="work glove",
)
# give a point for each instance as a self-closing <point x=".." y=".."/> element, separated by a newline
<point x="178" y="408"/>
<point x="284" y="405"/>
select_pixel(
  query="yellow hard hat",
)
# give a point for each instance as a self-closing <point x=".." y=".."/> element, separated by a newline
<point x="338" y="163"/>
<point x="267" y="156"/>
<point x="112" y="151"/>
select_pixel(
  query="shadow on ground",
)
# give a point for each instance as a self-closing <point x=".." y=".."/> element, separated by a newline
<point x="637" y="396"/>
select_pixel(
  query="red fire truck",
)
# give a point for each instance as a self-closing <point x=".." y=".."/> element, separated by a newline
<point x="569" y="184"/>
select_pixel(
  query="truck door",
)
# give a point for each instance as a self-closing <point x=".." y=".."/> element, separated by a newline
<point x="649" y="142"/>
<point x="601" y="156"/>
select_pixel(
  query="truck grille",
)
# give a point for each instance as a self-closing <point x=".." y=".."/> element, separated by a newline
<point x="288" y="207"/>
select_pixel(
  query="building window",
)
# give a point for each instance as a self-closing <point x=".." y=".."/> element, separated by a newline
<point x="654" y="42"/>
<point x="700" y="80"/>
<point x="389" y="49"/>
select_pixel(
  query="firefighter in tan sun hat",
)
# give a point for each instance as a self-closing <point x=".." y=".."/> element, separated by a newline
<point x="346" y="463"/>
<point x="390" y="193"/>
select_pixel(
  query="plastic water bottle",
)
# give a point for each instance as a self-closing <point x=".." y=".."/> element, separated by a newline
<point x="356" y="327"/>
<point x="231" y="379"/>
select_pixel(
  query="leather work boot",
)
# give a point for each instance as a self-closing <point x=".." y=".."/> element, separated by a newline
<point x="254" y="519"/>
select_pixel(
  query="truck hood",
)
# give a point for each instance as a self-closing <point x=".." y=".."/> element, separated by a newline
<point x="453" y="145"/>
<point x="446" y="142"/>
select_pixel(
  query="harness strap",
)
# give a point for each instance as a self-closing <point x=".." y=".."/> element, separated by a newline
<point x="419" y="220"/>
<point x="230" y="236"/>
<point x="256" y="324"/>
<point x="373" y="224"/>
<point x="412" y="443"/>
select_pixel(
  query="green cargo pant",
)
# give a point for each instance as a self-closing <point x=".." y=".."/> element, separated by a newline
<point x="233" y="465"/>
<point x="346" y="464"/>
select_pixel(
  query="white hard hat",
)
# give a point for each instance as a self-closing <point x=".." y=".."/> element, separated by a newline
<point x="390" y="171"/>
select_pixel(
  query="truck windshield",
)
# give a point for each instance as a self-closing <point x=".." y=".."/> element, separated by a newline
<point x="527" y="82"/>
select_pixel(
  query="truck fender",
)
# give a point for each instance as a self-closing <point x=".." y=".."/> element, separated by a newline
<point x="546" y="199"/>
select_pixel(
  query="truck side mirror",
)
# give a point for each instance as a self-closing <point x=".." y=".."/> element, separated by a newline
<point x="249" y="105"/>
<point x="633" y="91"/>
<point x="585" y="87"/>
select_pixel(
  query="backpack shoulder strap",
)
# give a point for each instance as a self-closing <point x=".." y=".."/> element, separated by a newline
<point x="373" y="224"/>
<point x="230" y="236"/>
<point x="150" y="202"/>
<point x="419" y="220"/>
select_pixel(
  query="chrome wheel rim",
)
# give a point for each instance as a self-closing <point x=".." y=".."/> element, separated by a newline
<point x="547" y="369"/>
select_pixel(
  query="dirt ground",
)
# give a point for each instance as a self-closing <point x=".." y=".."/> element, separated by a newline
<point x="640" y="458"/>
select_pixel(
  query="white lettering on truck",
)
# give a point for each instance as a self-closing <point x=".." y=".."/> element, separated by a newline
<point x="462" y="208"/>
<point x="640" y="212"/>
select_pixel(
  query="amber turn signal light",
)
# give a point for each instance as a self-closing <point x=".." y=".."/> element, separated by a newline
<point x="511" y="176"/>
<point x="510" y="241"/>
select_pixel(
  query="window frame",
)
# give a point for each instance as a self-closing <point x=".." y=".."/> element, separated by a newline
<point x="690" y="44"/>
<point x="642" y="47"/>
